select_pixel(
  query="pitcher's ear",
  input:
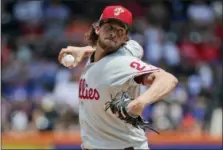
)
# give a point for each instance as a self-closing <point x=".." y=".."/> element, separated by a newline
<point x="96" y="27"/>
<point x="97" y="30"/>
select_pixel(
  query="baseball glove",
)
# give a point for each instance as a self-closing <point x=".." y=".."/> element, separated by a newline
<point x="118" y="107"/>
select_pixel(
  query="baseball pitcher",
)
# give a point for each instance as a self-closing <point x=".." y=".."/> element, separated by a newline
<point x="110" y="108"/>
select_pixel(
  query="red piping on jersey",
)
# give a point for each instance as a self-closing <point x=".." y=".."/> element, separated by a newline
<point x="148" y="70"/>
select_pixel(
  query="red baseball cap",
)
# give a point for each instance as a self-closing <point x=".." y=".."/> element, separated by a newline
<point x="117" y="12"/>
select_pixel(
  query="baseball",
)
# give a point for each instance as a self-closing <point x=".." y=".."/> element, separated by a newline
<point x="68" y="60"/>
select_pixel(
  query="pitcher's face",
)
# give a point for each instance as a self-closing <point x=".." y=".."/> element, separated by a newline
<point x="112" y="35"/>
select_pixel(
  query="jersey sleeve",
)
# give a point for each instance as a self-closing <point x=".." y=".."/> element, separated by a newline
<point x="134" y="49"/>
<point x="126" y="68"/>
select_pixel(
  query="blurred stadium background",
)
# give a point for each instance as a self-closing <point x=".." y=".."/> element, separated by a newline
<point x="40" y="97"/>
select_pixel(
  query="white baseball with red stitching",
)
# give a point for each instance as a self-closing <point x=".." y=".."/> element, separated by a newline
<point x="68" y="60"/>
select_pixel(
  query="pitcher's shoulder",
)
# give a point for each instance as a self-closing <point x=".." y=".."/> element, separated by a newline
<point x="117" y="59"/>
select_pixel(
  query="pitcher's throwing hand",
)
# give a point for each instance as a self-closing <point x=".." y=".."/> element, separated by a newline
<point x="77" y="52"/>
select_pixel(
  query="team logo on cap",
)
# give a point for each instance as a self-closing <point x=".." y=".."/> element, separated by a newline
<point x="118" y="11"/>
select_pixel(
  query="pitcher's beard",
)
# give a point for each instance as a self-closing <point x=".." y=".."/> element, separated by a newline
<point x="107" y="47"/>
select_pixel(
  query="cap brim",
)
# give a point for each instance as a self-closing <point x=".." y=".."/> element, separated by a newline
<point x="125" y="25"/>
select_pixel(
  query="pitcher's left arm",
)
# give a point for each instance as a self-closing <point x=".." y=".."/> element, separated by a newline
<point x="161" y="84"/>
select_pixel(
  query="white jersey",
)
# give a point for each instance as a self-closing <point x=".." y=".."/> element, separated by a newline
<point x="101" y="82"/>
<point x="133" y="48"/>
